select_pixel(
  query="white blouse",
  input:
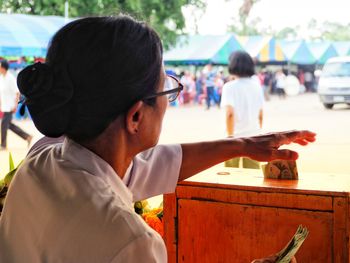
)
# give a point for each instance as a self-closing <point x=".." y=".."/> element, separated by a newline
<point x="246" y="97"/>
<point x="66" y="204"/>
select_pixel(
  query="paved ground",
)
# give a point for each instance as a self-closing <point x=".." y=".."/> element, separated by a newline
<point x="331" y="152"/>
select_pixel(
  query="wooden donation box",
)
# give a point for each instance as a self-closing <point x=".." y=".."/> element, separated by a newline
<point x="235" y="215"/>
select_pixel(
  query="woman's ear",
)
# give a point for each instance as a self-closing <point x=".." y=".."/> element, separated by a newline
<point x="134" y="117"/>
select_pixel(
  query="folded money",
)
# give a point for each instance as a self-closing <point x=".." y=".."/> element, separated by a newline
<point x="287" y="253"/>
<point x="280" y="169"/>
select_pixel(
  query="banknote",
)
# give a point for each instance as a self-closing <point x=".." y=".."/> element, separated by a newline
<point x="288" y="252"/>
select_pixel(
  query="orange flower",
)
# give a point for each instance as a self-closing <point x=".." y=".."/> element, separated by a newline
<point x="153" y="221"/>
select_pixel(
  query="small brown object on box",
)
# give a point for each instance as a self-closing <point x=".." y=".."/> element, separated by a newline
<point x="281" y="169"/>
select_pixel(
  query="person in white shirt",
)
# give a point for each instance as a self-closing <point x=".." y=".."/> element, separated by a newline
<point x="101" y="96"/>
<point x="281" y="84"/>
<point x="243" y="100"/>
<point x="8" y="99"/>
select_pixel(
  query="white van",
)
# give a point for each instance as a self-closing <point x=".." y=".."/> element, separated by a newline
<point x="334" y="82"/>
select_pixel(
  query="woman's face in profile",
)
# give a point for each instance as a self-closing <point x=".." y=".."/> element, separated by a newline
<point x="156" y="113"/>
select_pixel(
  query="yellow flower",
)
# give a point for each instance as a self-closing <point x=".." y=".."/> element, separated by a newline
<point x="153" y="217"/>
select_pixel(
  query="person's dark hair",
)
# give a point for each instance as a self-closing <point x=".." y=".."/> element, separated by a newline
<point x="96" y="69"/>
<point x="241" y="64"/>
<point x="4" y="64"/>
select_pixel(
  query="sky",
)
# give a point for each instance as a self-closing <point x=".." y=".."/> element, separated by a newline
<point x="274" y="13"/>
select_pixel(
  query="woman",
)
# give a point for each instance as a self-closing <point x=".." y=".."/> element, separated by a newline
<point x="243" y="100"/>
<point x="103" y="88"/>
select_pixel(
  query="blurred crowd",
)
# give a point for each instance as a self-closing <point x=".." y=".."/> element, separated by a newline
<point x="204" y="87"/>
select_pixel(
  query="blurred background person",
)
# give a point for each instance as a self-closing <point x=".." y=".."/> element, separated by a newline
<point x="9" y="96"/>
<point x="189" y="87"/>
<point x="243" y="100"/>
<point x="210" y="84"/>
<point x="200" y="88"/>
<point x="267" y="85"/>
<point x="219" y="83"/>
<point x="309" y="81"/>
<point x="280" y="84"/>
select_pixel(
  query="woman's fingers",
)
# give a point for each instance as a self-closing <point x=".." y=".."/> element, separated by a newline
<point x="301" y="142"/>
<point x="300" y="137"/>
<point x="269" y="259"/>
<point x="308" y="136"/>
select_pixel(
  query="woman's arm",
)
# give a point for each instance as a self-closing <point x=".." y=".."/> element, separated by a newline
<point x="229" y="120"/>
<point x="261" y="117"/>
<point x="197" y="157"/>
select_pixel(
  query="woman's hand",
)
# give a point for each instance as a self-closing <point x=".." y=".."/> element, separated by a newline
<point x="265" y="148"/>
<point x="271" y="259"/>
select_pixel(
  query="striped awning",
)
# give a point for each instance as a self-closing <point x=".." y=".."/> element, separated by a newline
<point x="297" y="52"/>
<point x="264" y="49"/>
<point x="27" y="35"/>
<point x="322" y="51"/>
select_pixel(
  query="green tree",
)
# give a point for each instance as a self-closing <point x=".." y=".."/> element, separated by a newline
<point x="335" y="31"/>
<point x="165" y="16"/>
<point x="244" y="12"/>
<point x="328" y="31"/>
<point x="287" y="32"/>
<point x="240" y="25"/>
<point x="314" y="30"/>
<point x="245" y="30"/>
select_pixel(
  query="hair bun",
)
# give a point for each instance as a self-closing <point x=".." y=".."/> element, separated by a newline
<point x="35" y="81"/>
<point x="47" y="96"/>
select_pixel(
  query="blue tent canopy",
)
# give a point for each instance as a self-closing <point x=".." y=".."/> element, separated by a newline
<point x="202" y="49"/>
<point x="297" y="52"/>
<point x="342" y="47"/>
<point x="27" y="35"/>
<point x="322" y="51"/>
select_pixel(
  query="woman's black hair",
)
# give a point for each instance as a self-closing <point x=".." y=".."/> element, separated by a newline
<point x="241" y="64"/>
<point x="96" y="69"/>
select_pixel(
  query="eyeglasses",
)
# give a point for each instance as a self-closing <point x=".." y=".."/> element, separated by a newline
<point x="172" y="89"/>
